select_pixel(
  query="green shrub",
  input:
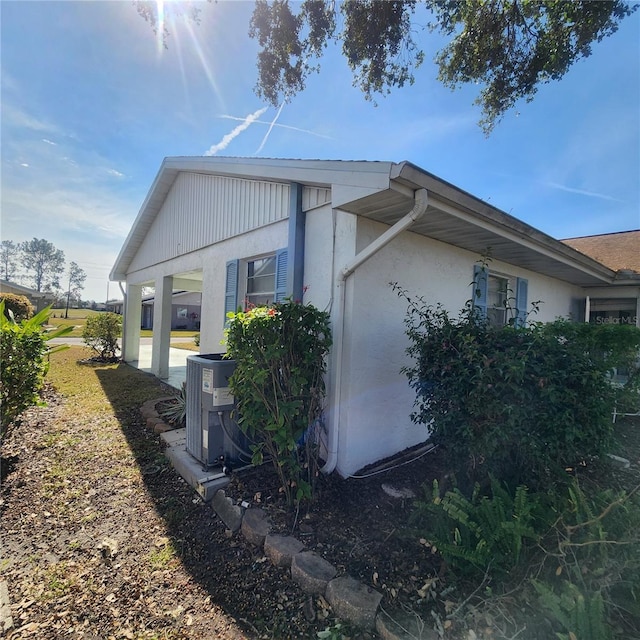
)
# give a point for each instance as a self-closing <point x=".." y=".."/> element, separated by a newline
<point x="520" y="404"/>
<point x="278" y="385"/>
<point x="23" y="354"/>
<point x="196" y="339"/>
<point x="101" y="333"/>
<point x="20" y="306"/>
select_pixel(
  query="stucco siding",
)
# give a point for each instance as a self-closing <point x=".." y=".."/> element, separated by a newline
<point x="249" y="245"/>
<point x="377" y="400"/>
<point x="318" y="252"/>
<point x="203" y="210"/>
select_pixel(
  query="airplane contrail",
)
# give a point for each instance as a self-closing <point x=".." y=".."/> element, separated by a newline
<point x="266" y="135"/>
<point x="226" y="140"/>
<point x="282" y="126"/>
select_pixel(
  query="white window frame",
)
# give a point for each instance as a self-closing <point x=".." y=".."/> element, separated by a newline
<point x="260" y="298"/>
<point x="502" y="307"/>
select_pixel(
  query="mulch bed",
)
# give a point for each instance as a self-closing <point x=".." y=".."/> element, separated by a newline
<point x="85" y="533"/>
<point x="106" y="545"/>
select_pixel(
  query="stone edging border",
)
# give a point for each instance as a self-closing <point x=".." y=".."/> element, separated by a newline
<point x="351" y="600"/>
<point x="153" y="420"/>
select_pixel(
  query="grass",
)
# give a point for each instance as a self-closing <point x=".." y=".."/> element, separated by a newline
<point x="187" y="346"/>
<point x="90" y="391"/>
<point x="78" y="318"/>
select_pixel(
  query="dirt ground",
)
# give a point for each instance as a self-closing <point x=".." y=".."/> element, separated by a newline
<point x="101" y="539"/>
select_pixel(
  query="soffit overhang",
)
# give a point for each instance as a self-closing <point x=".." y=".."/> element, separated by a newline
<point x="384" y="191"/>
<point x="462" y="220"/>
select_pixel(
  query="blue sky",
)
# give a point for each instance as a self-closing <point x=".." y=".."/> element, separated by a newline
<point x="91" y="105"/>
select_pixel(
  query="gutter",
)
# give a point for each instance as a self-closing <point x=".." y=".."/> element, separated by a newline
<point x="421" y="202"/>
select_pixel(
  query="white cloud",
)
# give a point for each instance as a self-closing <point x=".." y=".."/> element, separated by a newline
<point x="229" y="137"/>
<point x="49" y="142"/>
<point x="21" y="119"/>
<point x="113" y="172"/>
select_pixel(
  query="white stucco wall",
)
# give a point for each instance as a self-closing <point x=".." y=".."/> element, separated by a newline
<point x="249" y="245"/>
<point x="212" y="262"/>
<point x="376" y="398"/>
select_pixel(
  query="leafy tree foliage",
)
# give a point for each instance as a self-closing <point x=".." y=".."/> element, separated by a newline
<point x="77" y="276"/>
<point x="44" y="262"/>
<point x="512" y="46"/>
<point x="509" y="47"/>
<point x="9" y="252"/>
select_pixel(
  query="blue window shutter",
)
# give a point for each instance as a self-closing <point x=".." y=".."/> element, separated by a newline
<point x="522" y="290"/>
<point x="282" y="261"/>
<point x="231" y="288"/>
<point x="480" y="287"/>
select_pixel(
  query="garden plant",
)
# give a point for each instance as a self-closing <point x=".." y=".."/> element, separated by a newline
<point x="101" y="333"/>
<point x="24" y="355"/>
<point x="280" y="353"/>
<point x="522" y="413"/>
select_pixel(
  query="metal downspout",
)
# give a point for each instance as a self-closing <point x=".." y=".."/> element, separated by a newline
<point x="421" y="201"/>
<point x="124" y="316"/>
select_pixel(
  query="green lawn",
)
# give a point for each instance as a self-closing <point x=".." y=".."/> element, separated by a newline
<point x="78" y="318"/>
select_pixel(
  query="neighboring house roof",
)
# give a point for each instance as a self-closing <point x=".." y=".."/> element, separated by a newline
<point x="12" y="287"/>
<point x="618" y="251"/>
<point x="384" y="192"/>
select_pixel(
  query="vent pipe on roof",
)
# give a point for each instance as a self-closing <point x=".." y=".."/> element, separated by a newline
<point x="421" y="202"/>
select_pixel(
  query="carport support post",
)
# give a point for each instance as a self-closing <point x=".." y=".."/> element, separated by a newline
<point x="161" y="327"/>
<point x="132" y="317"/>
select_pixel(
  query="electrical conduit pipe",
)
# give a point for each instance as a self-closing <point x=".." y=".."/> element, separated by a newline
<point x="421" y="202"/>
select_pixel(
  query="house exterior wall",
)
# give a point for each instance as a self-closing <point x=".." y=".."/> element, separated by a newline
<point x="376" y="398"/>
<point x="201" y="211"/>
<point x="207" y="221"/>
<point x="249" y="245"/>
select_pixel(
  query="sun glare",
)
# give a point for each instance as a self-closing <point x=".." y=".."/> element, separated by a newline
<point x="160" y="30"/>
<point x="174" y="21"/>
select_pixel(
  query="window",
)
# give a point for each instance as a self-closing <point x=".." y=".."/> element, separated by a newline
<point x="256" y="281"/>
<point x="500" y="298"/>
<point x="497" y="300"/>
<point x="613" y="311"/>
<point x="261" y="282"/>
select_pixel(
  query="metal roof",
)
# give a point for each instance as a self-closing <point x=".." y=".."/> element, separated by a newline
<point x="383" y="191"/>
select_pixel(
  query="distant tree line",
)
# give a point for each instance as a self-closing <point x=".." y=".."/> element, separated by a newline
<point x="39" y="264"/>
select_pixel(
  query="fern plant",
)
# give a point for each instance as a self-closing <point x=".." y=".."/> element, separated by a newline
<point x="483" y="533"/>
<point x="591" y="581"/>
<point x="582" y="616"/>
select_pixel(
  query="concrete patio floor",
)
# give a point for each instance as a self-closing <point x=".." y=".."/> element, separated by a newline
<point x="177" y="364"/>
<point x="205" y="480"/>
